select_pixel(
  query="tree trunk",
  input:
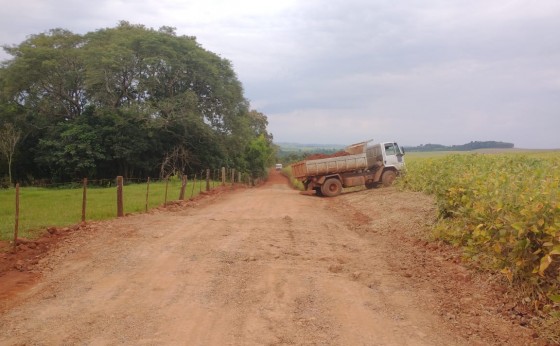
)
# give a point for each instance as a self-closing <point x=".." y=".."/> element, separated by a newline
<point x="10" y="169"/>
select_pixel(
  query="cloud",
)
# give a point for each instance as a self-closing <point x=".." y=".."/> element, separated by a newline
<point x="457" y="72"/>
<point x="343" y="71"/>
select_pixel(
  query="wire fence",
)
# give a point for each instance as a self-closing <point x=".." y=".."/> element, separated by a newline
<point x="25" y="212"/>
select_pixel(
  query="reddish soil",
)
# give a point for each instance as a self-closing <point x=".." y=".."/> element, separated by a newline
<point x="325" y="156"/>
<point x="256" y="266"/>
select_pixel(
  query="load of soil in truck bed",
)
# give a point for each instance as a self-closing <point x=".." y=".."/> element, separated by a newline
<point x="327" y="156"/>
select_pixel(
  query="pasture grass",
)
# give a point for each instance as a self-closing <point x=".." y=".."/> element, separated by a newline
<point x="46" y="207"/>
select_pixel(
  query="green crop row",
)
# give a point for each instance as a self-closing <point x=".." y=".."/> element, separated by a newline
<point x="503" y="210"/>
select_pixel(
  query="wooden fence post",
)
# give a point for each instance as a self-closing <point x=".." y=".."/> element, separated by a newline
<point x="239" y="177"/>
<point x="223" y="175"/>
<point x="183" y="186"/>
<point x="84" y="201"/>
<point x="193" y="184"/>
<point x="166" y="186"/>
<point x="120" y="209"/>
<point x="147" y="194"/>
<point x="16" y="226"/>
<point x="207" y="179"/>
<point x="232" y="176"/>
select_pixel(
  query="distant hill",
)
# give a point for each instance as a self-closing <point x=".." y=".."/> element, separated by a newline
<point x="464" y="147"/>
<point x="291" y="152"/>
<point x="298" y="147"/>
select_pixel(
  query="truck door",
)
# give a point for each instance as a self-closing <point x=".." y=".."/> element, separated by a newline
<point x="393" y="156"/>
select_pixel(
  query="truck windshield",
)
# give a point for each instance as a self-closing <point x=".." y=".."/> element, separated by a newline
<point x="390" y="149"/>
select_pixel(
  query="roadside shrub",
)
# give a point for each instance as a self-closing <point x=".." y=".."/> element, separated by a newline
<point x="296" y="184"/>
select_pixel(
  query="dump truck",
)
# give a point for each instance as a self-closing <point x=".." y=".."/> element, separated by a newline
<point x="361" y="164"/>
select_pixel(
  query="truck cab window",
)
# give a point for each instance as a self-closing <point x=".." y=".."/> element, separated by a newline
<point x="390" y="149"/>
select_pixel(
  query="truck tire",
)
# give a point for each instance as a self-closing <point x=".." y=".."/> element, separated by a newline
<point x="388" y="177"/>
<point x="332" y="187"/>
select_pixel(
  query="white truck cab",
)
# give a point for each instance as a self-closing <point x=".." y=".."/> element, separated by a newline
<point x="393" y="155"/>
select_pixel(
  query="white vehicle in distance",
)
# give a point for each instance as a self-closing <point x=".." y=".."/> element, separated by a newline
<point x="278" y="166"/>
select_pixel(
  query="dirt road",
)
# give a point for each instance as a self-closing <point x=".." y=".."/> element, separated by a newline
<point x="262" y="266"/>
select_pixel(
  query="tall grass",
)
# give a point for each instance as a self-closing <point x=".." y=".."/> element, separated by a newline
<point x="287" y="171"/>
<point x="45" y="207"/>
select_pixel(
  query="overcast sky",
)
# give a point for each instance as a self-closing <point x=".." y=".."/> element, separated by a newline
<point x="343" y="71"/>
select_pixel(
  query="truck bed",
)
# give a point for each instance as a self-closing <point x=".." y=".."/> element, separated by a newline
<point x="331" y="165"/>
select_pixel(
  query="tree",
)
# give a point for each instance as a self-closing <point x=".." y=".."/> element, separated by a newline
<point x="9" y="137"/>
<point x="125" y="101"/>
<point x="258" y="155"/>
<point x="72" y="152"/>
<point x="47" y="75"/>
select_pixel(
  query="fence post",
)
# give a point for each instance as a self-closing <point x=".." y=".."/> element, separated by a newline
<point x="239" y="177"/>
<point x="166" y="186"/>
<point x="120" y="209"/>
<point x="84" y="201"/>
<point x="208" y="179"/>
<point x="147" y="194"/>
<point x="232" y="176"/>
<point x="183" y="186"/>
<point x="193" y="184"/>
<point x="16" y="226"/>
<point x="223" y="175"/>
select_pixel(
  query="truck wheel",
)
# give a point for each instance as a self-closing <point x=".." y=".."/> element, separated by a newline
<point x="388" y="177"/>
<point x="332" y="187"/>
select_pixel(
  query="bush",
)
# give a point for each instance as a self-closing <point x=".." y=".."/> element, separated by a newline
<point x="5" y="183"/>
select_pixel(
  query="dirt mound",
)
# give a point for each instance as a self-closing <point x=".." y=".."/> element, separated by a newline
<point x="18" y="265"/>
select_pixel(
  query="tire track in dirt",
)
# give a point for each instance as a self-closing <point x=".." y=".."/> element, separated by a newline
<point x="264" y="266"/>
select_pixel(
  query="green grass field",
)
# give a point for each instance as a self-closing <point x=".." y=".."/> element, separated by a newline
<point x="46" y="207"/>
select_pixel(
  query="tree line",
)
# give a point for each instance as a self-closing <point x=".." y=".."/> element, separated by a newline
<point x="128" y="100"/>
<point x="473" y="145"/>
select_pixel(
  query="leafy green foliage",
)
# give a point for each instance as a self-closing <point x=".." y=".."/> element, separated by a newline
<point x="74" y="152"/>
<point x="504" y="210"/>
<point x="121" y="101"/>
<point x="297" y="184"/>
<point x="258" y="156"/>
